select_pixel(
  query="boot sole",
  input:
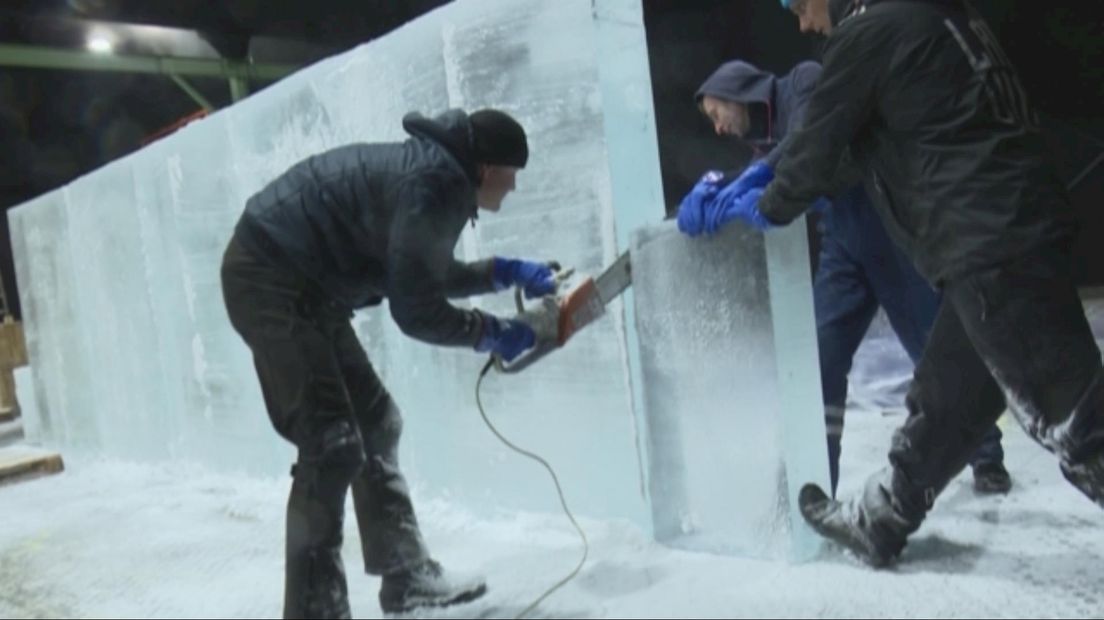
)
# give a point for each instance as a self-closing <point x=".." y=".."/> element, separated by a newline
<point x="415" y="604"/>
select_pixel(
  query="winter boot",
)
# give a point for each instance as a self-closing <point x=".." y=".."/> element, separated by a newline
<point x="1088" y="477"/>
<point x="991" y="478"/>
<point x="867" y="525"/>
<point x="427" y="585"/>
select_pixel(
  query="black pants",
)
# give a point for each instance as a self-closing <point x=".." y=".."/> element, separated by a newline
<point x="860" y="270"/>
<point x="323" y="395"/>
<point x="1015" y="333"/>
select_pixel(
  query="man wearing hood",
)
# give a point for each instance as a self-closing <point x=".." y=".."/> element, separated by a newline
<point x="342" y="230"/>
<point x="922" y="96"/>
<point x="859" y="268"/>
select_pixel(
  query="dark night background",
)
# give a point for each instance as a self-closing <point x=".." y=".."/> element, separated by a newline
<point x="56" y="125"/>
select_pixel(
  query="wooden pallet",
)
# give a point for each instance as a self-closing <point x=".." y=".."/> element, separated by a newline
<point x="22" y="462"/>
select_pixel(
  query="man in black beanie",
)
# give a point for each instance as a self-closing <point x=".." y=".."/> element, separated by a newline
<point x="344" y="230"/>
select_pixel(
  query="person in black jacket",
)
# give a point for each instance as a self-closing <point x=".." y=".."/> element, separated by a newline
<point x="342" y="230"/>
<point x="919" y="97"/>
<point x="859" y="269"/>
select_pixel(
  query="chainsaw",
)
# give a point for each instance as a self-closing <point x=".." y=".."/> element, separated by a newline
<point x="556" y="318"/>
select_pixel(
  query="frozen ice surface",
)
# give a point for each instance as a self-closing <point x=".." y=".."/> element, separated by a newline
<point x="727" y="419"/>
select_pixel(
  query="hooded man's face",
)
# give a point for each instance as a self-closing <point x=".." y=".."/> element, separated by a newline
<point x="495" y="183"/>
<point x="728" y="117"/>
<point x="813" y="15"/>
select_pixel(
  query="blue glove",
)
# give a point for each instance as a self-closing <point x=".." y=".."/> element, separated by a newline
<point x="821" y="205"/>
<point x="506" y="337"/>
<point x="704" y="207"/>
<point x="691" y="215"/>
<point x="745" y="208"/>
<point x="535" y="278"/>
<point x="757" y="175"/>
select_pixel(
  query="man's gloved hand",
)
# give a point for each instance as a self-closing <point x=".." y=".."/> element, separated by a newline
<point x="507" y="338"/>
<point x="757" y="175"/>
<point x="535" y="278"/>
<point x="692" y="210"/>
<point x="703" y="209"/>
<point x="821" y="205"/>
<point x="745" y="208"/>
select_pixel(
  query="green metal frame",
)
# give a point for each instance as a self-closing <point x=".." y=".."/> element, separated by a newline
<point x="192" y="92"/>
<point x="236" y="72"/>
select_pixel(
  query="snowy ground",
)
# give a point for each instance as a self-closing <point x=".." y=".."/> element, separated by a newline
<point x="118" y="540"/>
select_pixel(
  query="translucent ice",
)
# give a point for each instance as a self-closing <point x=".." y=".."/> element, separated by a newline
<point x="732" y="411"/>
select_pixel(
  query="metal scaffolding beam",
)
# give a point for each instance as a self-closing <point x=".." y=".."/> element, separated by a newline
<point x="38" y="57"/>
<point x="192" y="92"/>
<point x="239" y="89"/>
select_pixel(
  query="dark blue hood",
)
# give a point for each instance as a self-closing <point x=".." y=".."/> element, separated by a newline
<point x="772" y="101"/>
<point x="743" y="82"/>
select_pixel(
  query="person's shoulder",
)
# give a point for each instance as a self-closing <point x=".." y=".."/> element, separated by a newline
<point x="805" y="75"/>
<point x="866" y="31"/>
<point x="890" y="19"/>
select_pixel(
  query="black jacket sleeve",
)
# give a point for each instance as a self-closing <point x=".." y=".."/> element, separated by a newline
<point x="467" y="279"/>
<point x="420" y="265"/>
<point x="842" y="103"/>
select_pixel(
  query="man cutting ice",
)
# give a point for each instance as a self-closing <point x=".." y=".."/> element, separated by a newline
<point x="346" y="229"/>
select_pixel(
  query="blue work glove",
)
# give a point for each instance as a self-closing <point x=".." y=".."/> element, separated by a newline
<point x="691" y="215"/>
<point x="745" y="208"/>
<point x="507" y="338"/>
<point x="535" y="278"/>
<point x="821" y="205"/>
<point x="757" y="175"/>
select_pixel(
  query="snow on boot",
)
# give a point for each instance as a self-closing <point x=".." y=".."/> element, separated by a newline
<point x="992" y="478"/>
<point x="1088" y="477"/>
<point x="427" y="585"/>
<point x="867" y="525"/>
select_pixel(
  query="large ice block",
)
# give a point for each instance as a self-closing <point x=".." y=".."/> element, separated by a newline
<point x="44" y="263"/>
<point x="132" y="352"/>
<point x="729" y="365"/>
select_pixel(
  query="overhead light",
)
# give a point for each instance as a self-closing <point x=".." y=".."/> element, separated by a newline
<point x="100" y="44"/>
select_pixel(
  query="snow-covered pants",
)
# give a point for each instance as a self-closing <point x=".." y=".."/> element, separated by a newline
<point x="1016" y="332"/>
<point x="323" y="395"/>
<point x="859" y="270"/>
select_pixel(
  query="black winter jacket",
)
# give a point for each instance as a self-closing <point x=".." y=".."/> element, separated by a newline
<point x="369" y="221"/>
<point x="920" y="94"/>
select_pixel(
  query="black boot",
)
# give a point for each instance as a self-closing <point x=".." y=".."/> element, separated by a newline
<point x="427" y="585"/>
<point x="1080" y="444"/>
<point x="867" y="525"/>
<point x="991" y="478"/>
<point x="1088" y="477"/>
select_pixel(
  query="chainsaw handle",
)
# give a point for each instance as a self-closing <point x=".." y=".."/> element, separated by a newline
<point x="543" y="347"/>
<point x="526" y="360"/>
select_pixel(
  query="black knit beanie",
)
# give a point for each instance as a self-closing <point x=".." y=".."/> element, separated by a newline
<point x="499" y="140"/>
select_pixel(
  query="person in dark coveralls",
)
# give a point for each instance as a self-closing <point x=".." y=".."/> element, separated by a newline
<point x="859" y="269"/>
<point x="918" y="98"/>
<point x="343" y="230"/>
